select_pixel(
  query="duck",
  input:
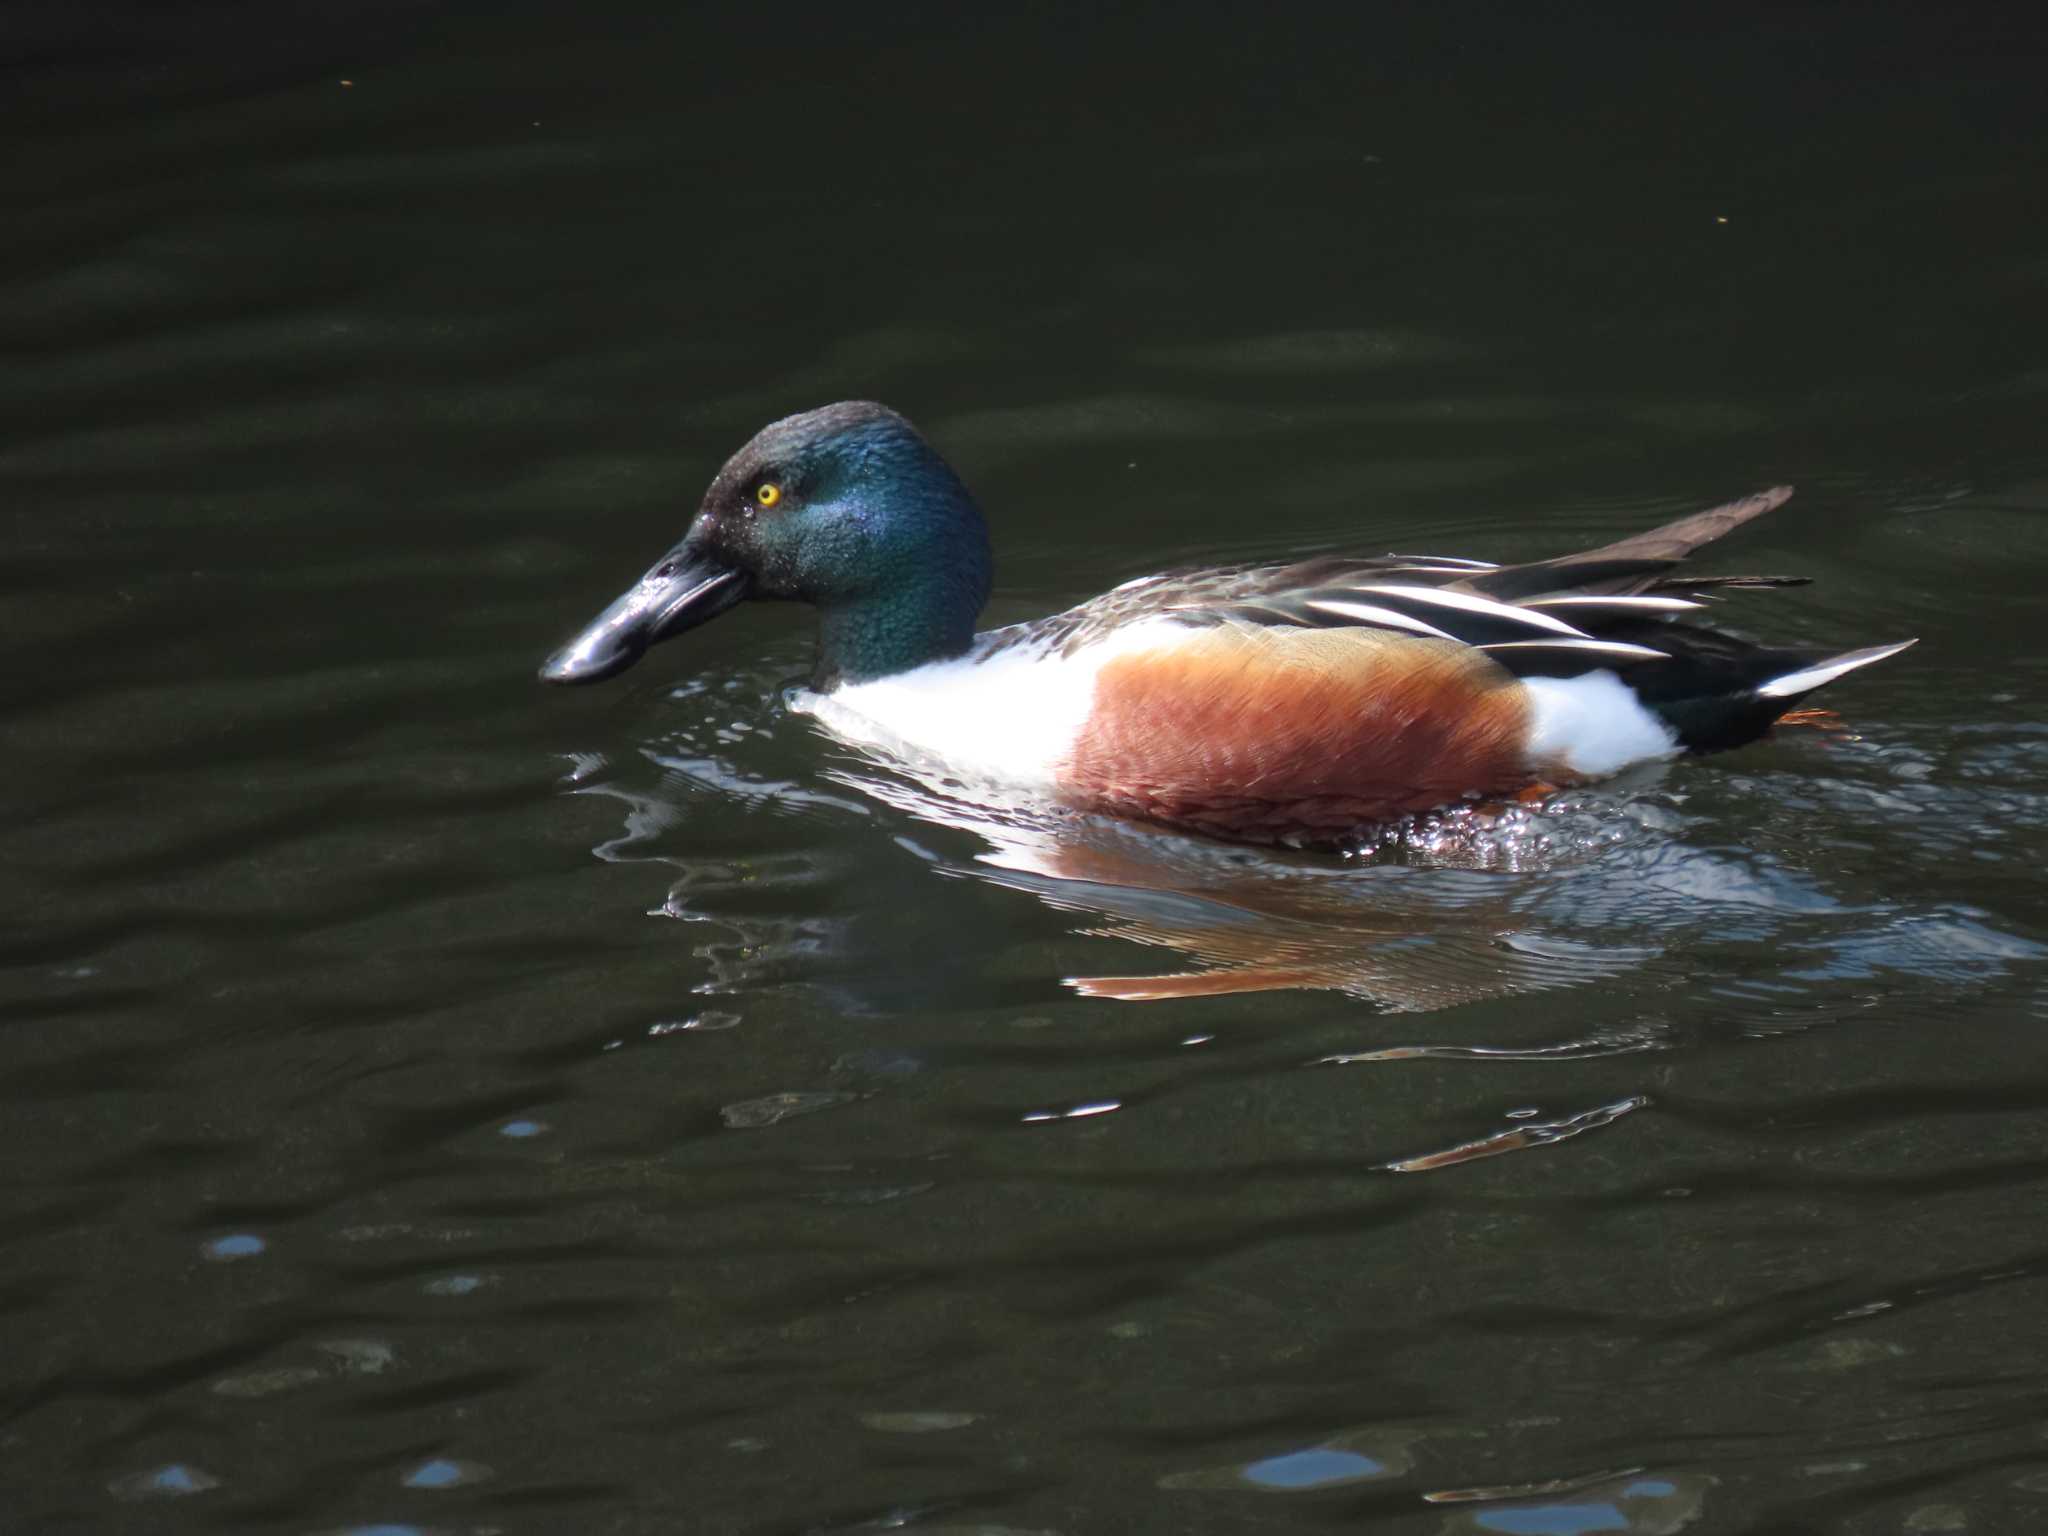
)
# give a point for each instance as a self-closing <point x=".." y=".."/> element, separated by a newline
<point x="1282" y="704"/>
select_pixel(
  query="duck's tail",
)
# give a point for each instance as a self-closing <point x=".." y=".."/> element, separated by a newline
<point x="1711" y="689"/>
<point x="1725" y="701"/>
<point x="1789" y="686"/>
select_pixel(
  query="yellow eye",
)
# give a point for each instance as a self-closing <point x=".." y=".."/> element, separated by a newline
<point x="768" y="494"/>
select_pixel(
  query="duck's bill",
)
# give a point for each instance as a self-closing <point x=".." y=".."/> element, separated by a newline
<point x="680" y="593"/>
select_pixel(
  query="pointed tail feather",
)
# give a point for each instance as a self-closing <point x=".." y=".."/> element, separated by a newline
<point x="1731" y="699"/>
<point x="1796" y="684"/>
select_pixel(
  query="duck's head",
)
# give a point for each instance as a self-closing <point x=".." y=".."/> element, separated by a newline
<point x="847" y="508"/>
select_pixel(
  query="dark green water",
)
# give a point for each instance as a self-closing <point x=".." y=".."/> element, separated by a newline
<point x="434" y="1103"/>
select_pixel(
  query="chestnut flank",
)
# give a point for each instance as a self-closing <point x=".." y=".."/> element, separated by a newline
<point x="1271" y="735"/>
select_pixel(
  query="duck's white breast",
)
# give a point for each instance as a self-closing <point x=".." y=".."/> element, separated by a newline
<point x="1010" y="717"/>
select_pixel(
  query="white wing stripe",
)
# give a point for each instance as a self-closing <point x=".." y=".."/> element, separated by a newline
<point x="1646" y="604"/>
<point x="1367" y="613"/>
<point x="1470" y="604"/>
<point x="1430" y="568"/>
<point x="1605" y="647"/>
<point x="1450" y="562"/>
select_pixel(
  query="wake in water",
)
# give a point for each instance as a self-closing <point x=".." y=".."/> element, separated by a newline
<point x="1718" y="864"/>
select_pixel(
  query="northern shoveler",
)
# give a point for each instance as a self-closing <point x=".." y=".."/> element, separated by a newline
<point x="1266" y="703"/>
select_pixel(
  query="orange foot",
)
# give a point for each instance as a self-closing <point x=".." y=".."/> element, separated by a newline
<point x="1819" y="719"/>
<point x="1534" y="793"/>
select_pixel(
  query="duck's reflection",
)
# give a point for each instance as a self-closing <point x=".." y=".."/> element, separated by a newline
<point x="1468" y="905"/>
<point x="1254" y="921"/>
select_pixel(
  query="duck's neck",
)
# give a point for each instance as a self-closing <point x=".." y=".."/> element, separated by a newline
<point x="922" y="571"/>
<point x="904" y="626"/>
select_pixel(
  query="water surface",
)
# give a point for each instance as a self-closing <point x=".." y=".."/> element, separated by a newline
<point x="436" y="1103"/>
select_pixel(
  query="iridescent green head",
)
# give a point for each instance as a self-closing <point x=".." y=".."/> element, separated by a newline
<point x="847" y="508"/>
